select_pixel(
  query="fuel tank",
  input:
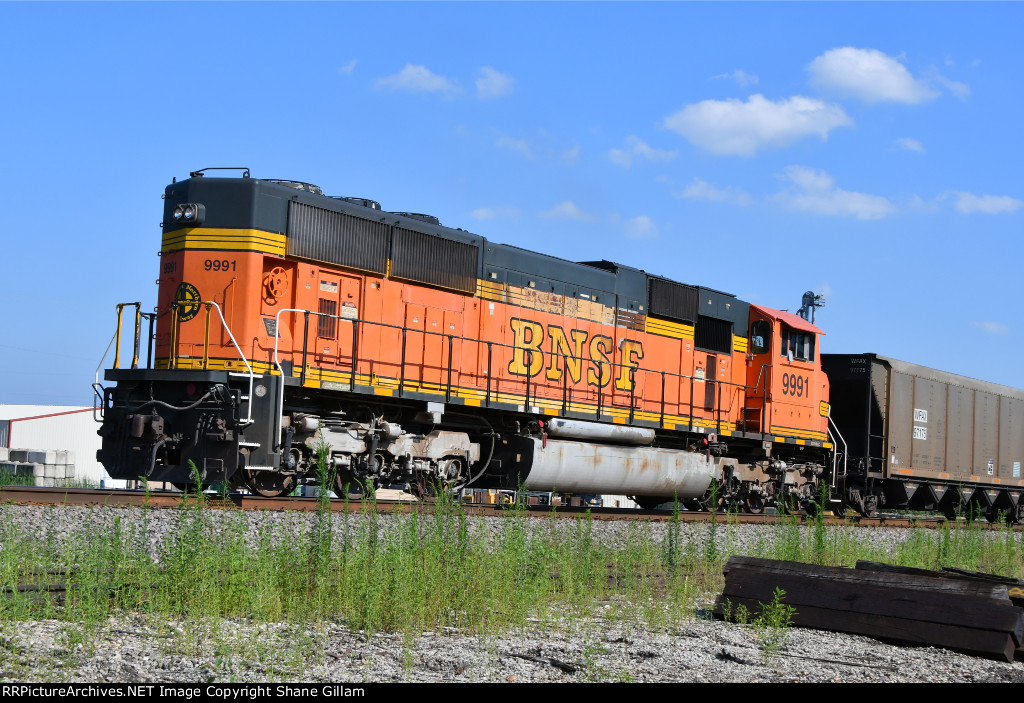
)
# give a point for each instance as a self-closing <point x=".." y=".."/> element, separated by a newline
<point x="582" y="467"/>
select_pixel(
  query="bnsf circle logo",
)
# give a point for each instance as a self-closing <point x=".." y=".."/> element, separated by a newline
<point x="188" y="299"/>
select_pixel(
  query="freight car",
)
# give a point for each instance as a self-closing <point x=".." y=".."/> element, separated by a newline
<point x="292" y="326"/>
<point x="925" y="439"/>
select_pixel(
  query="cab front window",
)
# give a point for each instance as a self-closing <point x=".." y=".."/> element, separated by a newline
<point x="796" y="345"/>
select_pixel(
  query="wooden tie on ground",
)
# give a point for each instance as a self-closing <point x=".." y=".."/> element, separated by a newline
<point x="966" y="613"/>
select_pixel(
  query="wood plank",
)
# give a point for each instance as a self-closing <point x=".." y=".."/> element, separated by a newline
<point x="994" y="645"/>
<point x="1015" y="587"/>
<point x="983" y="614"/>
<point x="964" y="587"/>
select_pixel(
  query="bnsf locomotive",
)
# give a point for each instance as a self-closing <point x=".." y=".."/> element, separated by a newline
<point x="293" y="327"/>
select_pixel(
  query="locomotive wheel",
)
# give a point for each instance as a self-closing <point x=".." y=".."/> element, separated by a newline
<point x="787" y="503"/>
<point x="870" y="506"/>
<point x="345" y="483"/>
<point x="268" y="483"/>
<point x="754" y="503"/>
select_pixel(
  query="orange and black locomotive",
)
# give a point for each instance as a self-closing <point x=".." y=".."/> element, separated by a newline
<point x="293" y="328"/>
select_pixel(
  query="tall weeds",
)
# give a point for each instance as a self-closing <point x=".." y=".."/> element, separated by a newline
<point x="416" y="571"/>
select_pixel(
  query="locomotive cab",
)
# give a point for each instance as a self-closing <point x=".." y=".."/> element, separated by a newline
<point x="787" y="390"/>
<point x="787" y="398"/>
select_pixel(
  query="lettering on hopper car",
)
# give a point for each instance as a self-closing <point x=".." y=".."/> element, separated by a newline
<point x="563" y="356"/>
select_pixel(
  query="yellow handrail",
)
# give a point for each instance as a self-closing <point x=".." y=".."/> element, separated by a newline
<point x="117" y="337"/>
<point x="173" y="351"/>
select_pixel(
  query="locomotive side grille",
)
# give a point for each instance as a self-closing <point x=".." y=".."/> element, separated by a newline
<point x="673" y="300"/>
<point x="337" y="238"/>
<point x="327" y="327"/>
<point x="436" y="261"/>
<point x="713" y="335"/>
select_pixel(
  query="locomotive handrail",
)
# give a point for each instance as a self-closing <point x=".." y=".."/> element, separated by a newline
<point x="835" y="444"/>
<point x="96" y="387"/>
<point x="599" y="366"/>
<point x="206" y="348"/>
<point x="138" y="335"/>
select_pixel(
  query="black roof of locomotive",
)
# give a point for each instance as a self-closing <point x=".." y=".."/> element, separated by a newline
<point x="253" y="203"/>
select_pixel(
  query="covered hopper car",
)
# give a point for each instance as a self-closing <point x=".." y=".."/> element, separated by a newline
<point x="928" y="440"/>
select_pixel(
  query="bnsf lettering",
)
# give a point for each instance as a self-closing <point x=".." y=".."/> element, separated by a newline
<point x="565" y="353"/>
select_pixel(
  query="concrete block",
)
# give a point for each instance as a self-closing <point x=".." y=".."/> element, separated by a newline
<point x="70" y="457"/>
<point x="19" y="455"/>
<point x="38" y="470"/>
<point x="62" y="458"/>
<point x="50" y="470"/>
<point x="45" y="482"/>
<point x="43" y="456"/>
<point x="5" y="454"/>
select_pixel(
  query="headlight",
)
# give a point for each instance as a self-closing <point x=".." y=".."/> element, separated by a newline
<point x="190" y="213"/>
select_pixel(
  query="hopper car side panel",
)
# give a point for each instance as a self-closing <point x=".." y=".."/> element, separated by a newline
<point x="926" y="439"/>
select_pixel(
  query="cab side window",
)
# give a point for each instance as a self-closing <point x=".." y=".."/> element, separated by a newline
<point x="760" y="336"/>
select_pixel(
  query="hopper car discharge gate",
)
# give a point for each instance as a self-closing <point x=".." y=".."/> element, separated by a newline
<point x="251" y="429"/>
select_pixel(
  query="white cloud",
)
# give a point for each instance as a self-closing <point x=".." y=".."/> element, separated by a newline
<point x="571" y="156"/>
<point x="919" y="204"/>
<point x="348" y="68"/>
<point x="910" y="144"/>
<point x="521" y="145"/>
<point x="641" y="227"/>
<point x="742" y="128"/>
<point x="702" y="190"/>
<point x="492" y="84"/>
<point x="969" y="203"/>
<point x="816" y="192"/>
<point x="869" y="75"/>
<point x="740" y="76"/>
<point x="991" y="327"/>
<point x="418" y="79"/>
<point x="490" y="213"/>
<point x="637" y="147"/>
<point x="961" y="90"/>
<point x="567" y="211"/>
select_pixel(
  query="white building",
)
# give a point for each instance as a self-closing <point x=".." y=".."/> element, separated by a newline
<point x="64" y="427"/>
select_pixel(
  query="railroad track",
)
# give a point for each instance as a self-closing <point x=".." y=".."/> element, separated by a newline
<point x="92" y="497"/>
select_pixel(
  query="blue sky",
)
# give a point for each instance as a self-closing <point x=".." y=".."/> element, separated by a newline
<point x="870" y="152"/>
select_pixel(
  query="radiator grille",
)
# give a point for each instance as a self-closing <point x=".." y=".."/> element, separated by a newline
<point x="673" y="300"/>
<point x="337" y="238"/>
<point x="436" y="261"/>
<point x="713" y="335"/>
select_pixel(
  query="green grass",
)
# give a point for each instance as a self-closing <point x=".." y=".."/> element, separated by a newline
<point x="416" y="572"/>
